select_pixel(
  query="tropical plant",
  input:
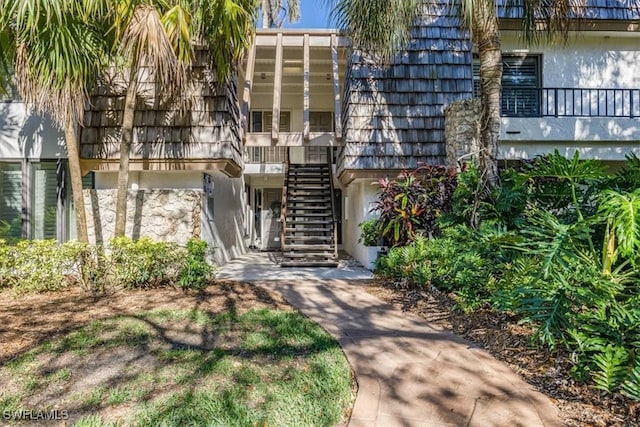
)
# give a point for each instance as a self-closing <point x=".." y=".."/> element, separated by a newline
<point x="370" y="232"/>
<point x="412" y="203"/>
<point x="161" y="37"/>
<point x="384" y="28"/>
<point x="622" y="235"/>
<point x="274" y="12"/>
<point x="55" y="50"/>
<point x="400" y="205"/>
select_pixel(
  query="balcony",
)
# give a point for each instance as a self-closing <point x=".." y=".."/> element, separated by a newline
<point x="601" y="123"/>
<point x="570" y="102"/>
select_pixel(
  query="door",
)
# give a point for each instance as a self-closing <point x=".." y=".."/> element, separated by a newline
<point x="271" y="225"/>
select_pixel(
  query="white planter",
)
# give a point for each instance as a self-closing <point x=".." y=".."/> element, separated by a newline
<point x="371" y="255"/>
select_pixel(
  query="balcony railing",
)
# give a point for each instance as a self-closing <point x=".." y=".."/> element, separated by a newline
<point x="271" y="155"/>
<point x="570" y="102"/>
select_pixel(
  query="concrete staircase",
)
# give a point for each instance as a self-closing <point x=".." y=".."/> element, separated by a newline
<point x="309" y="233"/>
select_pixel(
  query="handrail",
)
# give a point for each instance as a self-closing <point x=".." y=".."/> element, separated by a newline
<point x="570" y="102"/>
<point x="283" y="208"/>
<point x="333" y="202"/>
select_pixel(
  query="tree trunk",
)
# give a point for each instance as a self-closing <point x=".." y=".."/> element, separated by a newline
<point x="486" y="36"/>
<point x="71" y="137"/>
<point x="125" y="152"/>
<point x="266" y="12"/>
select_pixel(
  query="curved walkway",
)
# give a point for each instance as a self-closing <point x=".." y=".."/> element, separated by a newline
<point x="410" y="372"/>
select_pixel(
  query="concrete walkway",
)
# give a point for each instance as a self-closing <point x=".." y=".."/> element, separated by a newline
<point x="409" y="372"/>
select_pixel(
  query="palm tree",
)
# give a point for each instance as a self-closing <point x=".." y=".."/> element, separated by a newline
<point x="55" y="51"/>
<point x="161" y="36"/>
<point x="271" y="12"/>
<point x="383" y="27"/>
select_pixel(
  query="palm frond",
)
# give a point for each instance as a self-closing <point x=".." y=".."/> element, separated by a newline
<point x="376" y="26"/>
<point x="146" y="44"/>
<point x="58" y="56"/>
<point x="227" y="28"/>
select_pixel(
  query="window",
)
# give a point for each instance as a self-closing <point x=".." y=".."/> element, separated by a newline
<point x="321" y="121"/>
<point x="44" y="200"/>
<point x="262" y="121"/>
<point x="11" y="200"/>
<point x="520" y="85"/>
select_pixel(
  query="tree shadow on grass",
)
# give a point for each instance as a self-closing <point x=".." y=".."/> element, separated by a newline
<point x="164" y="355"/>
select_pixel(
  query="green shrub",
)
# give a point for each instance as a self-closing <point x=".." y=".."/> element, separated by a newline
<point x="196" y="271"/>
<point x="370" y="233"/>
<point x="144" y="263"/>
<point x="39" y="265"/>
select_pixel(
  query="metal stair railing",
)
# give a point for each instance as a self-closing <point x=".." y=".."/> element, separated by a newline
<point x="283" y="208"/>
<point x="333" y="203"/>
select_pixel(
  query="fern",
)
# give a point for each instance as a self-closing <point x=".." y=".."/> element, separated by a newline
<point x="631" y="387"/>
<point x="611" y="368"/>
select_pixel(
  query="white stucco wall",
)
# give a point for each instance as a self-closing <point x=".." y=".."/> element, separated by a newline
<point x="24" y="135"/>
<point x="152" y="179"/>
<point x="226" y="232"/>
<point x="590" y="60"/>
<point x="359" y="195"/>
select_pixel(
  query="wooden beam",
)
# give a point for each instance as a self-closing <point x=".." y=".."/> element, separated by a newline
<point x="277" y="88"/>
<point x="306" y="103"/>
<point x="337" y="106"/>
<point x="246" y="93"/>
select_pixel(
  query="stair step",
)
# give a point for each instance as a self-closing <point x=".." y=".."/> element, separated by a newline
<point x="308" y="197"/>
<point x="308" y="194"/>
<point x="307" y="247"/>
<point x="307" y="201"/>
<point x="325" y="254"/>
<point x="302" y="263"/>
<point x="308" y="215"/>
<point x="309" y="222"/>
<point x="308" y="230"/>
<point x="316" y="166"/>
<point x="310" y="238"/>
<point x="309" y="208"/>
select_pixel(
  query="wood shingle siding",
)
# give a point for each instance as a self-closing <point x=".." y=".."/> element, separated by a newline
<point x="210" y="129"/>
<point x="394" y="116"/>
<point x="597" y="10"/>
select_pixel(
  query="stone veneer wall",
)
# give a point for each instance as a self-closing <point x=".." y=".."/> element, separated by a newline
<point x="462" y="131"/>
<point x="166" y="215"/>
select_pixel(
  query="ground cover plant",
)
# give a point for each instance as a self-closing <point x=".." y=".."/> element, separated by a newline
<point x="226" y="354"/>
<point x="556" y="247"/>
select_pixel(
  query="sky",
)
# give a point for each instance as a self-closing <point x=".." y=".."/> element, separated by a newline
<point x="313" y="14"/>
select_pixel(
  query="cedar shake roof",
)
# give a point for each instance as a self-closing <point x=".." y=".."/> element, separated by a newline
<point x="209" y="129"/>
<point x="394" y="116"/>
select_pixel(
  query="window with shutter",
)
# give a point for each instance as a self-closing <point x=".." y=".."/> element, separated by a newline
<point x="520" y="85"/>
<point x="11" y="199"/>
<point x="44" y="202"/>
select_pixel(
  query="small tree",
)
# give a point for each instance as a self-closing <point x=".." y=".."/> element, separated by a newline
<point x="56" y="50"/>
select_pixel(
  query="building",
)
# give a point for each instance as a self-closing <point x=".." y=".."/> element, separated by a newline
<point x="246" y="167"/>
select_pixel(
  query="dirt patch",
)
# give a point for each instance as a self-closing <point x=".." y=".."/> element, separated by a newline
<point x="510" y="342"/>
<point x="30" y="320"/>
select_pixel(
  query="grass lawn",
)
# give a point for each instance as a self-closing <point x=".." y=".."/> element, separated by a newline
<point x="182" y="363"/>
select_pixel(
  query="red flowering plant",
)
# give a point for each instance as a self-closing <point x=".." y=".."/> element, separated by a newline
<point x="410" y="204"/>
